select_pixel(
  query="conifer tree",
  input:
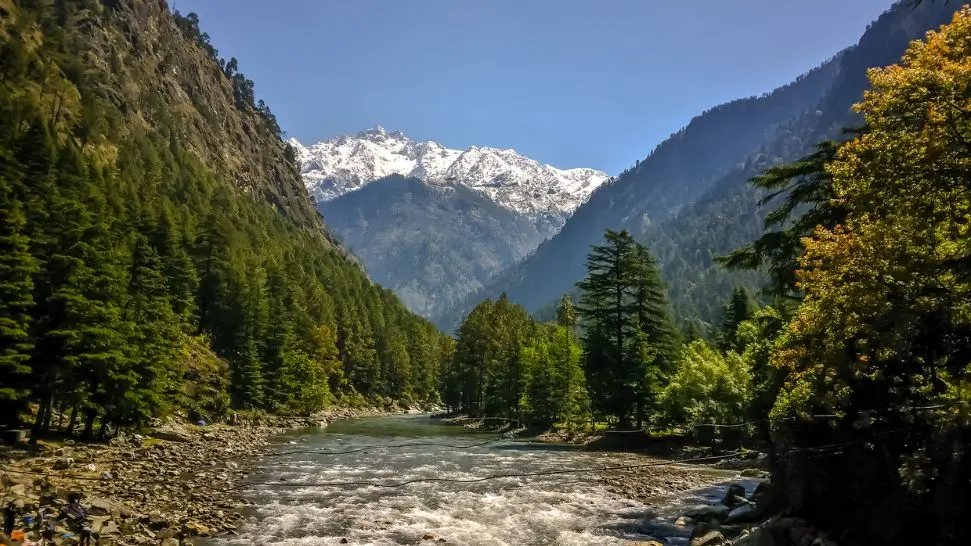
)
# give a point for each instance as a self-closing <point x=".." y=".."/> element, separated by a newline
<point x="155" y="342"/>
<point x="629" y="334"/>
<point x="738" y="309"/>
<point x="17" y="267"/>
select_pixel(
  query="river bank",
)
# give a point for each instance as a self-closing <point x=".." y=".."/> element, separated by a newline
<point x="176" y="482"/>
<point x="692" y="494"/>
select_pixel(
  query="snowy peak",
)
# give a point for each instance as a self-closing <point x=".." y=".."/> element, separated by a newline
<point x="343" y="164"/>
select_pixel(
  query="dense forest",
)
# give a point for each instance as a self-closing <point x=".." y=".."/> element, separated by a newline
<point x="856" y="378"/>
<point x="157" y="249"/>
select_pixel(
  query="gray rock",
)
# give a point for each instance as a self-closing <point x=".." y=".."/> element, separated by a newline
<point x="752" y="473"/>
<point x="63" y="463"/>
<point x="712" y="538"/>
<point x="170" y="542"/>
<point x="708" y="512"/>
<point x="734" y="496"/>
<point x="745" y="513"/>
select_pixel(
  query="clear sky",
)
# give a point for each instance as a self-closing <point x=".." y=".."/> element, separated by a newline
<point x="574" y="83"/>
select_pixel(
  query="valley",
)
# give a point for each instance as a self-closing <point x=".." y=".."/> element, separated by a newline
<point x="223" y="324"/>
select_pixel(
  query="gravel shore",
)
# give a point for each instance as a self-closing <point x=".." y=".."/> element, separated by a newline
<point x="166" y="487"/>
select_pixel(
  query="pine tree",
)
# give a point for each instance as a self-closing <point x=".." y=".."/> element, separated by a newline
<point x="630" y="339"/>
<point x="807" y="188"/>
<point x="739" y="308"/>
<point x="155" y="341"/>
<point x="17" y="267"/>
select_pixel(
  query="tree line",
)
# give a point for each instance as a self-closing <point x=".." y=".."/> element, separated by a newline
<point x="614" y="357"/>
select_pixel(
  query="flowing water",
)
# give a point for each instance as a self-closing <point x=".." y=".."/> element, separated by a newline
<point x="320" y="507"/>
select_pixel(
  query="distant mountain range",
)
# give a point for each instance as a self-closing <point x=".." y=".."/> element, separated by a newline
<point x="543" y="193"/>
<point x="443" y="249"/>
<point x="432" y="223"/>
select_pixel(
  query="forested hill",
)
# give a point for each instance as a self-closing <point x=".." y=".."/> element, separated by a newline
<point x="433" y="245"/>
<point x="159" y="249"/>
<point x="688" y="199"/>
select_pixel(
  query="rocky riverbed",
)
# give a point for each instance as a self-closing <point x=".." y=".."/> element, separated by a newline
<point x="166" y="487"/>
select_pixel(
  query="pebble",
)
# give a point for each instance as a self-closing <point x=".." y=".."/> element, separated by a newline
<point x="162" y="493"/>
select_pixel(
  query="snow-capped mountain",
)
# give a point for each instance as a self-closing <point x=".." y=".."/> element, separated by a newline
<point x="340" y="165"/>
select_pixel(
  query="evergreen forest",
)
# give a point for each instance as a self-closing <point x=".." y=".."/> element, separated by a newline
<point x="139" y="275"/>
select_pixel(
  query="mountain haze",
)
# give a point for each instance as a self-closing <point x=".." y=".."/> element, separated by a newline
<point x="433" y="245"/>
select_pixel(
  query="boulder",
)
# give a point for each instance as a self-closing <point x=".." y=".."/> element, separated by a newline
<point x="712" y="538"/>
<point x="98" y="523"/>
<point x="734" y="495"/>
<point x="746" y="513"/>
<point x="194" y="528"/>
<point x="100" y="507"/>
<point x="762" y="491"/>
<point x="63" y="463"/>
<point x="170" y="542"/>
<point x="708" y="512"/>
<point x="752" y="473"/>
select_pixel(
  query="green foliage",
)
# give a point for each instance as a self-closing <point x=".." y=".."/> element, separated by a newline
<point x="872" y="360"/>
<point x="807" y="189"/>
<point x="630" y="340"/>
<point x="17" y="268"/>
<point x="506" y="365"/>
<point x="738" y="309"/>
<point x="709" y="387"/>
<point x="139" y="273"/>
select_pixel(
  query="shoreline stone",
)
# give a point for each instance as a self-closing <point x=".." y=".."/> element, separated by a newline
<point x="179" y="483"/>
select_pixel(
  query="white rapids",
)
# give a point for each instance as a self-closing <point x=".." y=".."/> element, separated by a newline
<point x="318" y="506"/>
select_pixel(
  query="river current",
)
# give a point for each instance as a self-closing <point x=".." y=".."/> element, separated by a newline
<point x="320" y="506"/>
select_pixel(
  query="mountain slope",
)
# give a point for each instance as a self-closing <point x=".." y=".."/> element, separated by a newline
<point x="688" y="198"/>
<point x="543" y="193"/>
<point x="433" y="245"/>
<point x="150" y="211"/>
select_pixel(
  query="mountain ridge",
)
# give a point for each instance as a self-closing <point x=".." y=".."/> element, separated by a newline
<point x="679" y="184"/>
<point x="347" y="163"/>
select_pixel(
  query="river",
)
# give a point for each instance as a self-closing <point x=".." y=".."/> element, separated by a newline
<point x="562" y="509"/>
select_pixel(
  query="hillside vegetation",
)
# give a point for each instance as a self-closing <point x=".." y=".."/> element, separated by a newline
<point x="150" y="214"/>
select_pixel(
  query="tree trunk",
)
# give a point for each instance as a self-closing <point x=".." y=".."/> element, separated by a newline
<point x="60" y="414"/>
<point x="88" y="424"/>
<point x="47" y="416"/>
<point x="38" y="427"/>
<point x="72" y="421"/>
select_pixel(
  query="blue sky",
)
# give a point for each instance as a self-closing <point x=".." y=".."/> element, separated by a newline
<point x="592" y="83"/>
